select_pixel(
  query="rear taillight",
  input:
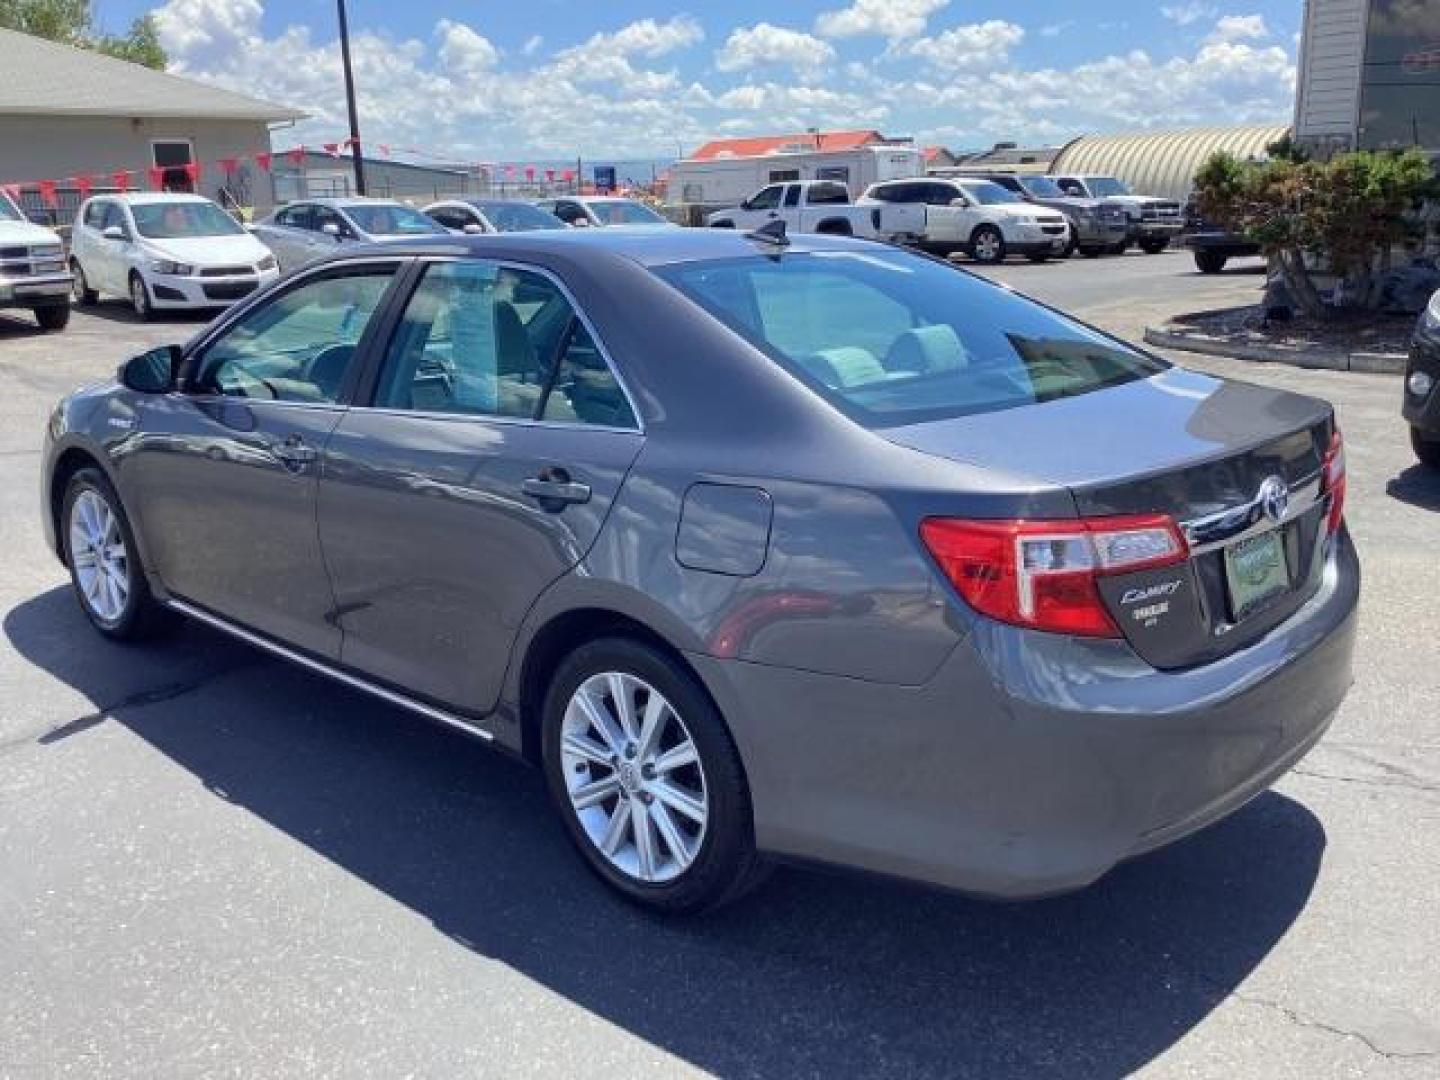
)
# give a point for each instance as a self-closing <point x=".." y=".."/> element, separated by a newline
<point x="1044" y="574"/>
<point x="1333" y="481"/>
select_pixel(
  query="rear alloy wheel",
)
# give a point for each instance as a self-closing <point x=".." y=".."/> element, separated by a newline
<point x="140" y="299"/>
<point x="987" y="245"/>
<point x="1427" y="450"/>
<point x="1209" y="262"/>
<point x="647" y="779"/>
<point x="100" y="551"/>
<point x="84" y="295"/>
<point x="53" y="316"/>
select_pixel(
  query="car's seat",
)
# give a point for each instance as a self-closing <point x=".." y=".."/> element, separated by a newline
<point x="926" y="350"/>
<point x="327" y="370"/>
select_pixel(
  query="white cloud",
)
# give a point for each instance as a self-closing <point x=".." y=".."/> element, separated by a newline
<point x="532" y="45"/>
<point x="462" y="49"/>
<point x="765" y="44"/>
<point x="893" y="19"/>
<point x="1192" y="11"/>
<point x="977" y="46"/>
<point x="1239" y="28"/>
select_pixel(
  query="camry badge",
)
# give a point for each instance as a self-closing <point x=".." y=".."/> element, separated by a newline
<point x="1274" y="498"/>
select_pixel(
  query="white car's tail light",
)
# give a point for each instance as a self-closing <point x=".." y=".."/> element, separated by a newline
<point x="1043" y="574"/>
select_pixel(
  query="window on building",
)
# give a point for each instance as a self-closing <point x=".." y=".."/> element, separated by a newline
<point x="1400" y="84"/>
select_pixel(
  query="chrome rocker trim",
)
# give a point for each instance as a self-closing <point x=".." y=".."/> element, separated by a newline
<point x="322" y="668"/>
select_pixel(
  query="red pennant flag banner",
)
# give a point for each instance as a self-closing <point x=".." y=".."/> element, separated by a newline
<point x="384" y="150"/>
<point x="192" y="173"/>
<point x="263" y="160"/>
<point x="568" y="175"/>
<point x="296" y="156"/>
<point x="13" y="190"/>
<point x="48" y="194"/>
<point x="549" y="174"/>
<point x="156" y="175"/>
<point x="509" y="170"/>
<point x="332" y="148"/>
<point x="229" y="165"/>
<point x="84" y="184"/>
<point x="121" y="180"/>
<point x="529" y="172"/>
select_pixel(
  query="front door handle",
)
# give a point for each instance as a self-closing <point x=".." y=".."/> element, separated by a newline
<point x="294" y="452"/>
<point x="554" y="486"/>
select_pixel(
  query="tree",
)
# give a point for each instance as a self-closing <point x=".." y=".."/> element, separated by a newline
<point x="72" y="22"/>
<point x="1347" y="213"/>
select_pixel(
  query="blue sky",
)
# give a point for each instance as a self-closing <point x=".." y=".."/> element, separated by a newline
<point x="495" y="80"/>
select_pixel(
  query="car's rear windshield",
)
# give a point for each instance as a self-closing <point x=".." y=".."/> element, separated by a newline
<point x="1042" y="187"/>
<point x="175" y="220"/>
<point x="893" y="338"/>
<point x="519" y="217"/>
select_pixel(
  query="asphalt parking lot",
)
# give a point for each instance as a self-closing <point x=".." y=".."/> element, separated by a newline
<point x="212" y="864"/>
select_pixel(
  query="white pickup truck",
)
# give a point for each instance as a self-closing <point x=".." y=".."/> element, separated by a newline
<point x="32" y="268"/>
<point x="822" y="206"/>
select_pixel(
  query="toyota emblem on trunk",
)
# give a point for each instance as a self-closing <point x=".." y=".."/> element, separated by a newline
<point x="1274" y="498"/>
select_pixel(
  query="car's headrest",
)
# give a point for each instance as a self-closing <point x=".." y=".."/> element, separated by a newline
<point x="927" y="349"/>
<point x="845" y="365"/>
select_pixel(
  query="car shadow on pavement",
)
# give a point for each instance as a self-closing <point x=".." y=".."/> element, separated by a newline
<point x="814" y="974"/>
<point x="1418" y="486"/>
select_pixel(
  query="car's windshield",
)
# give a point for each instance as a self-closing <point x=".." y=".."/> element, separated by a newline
<point x="893" y="338"/>
<point x="518" y="217"/>
<point x="175" y="220"/>
<point x="390" y="219"/>
<point x="8" y="210"/>
<point x="625" y="212"/>
<point x="1042" y="187"/>
<point x="1107" y="185"/>
<point x="988" y="194"/>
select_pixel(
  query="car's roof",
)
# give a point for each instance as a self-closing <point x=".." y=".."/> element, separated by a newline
<point x="645" y="245"/>
<point x="342" y="201"/>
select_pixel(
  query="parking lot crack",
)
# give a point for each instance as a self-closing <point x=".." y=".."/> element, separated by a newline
<point x="1294" y="1016"/>
<point x="1392" y="781"/>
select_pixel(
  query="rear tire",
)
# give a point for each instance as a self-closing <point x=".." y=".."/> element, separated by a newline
<point x="987" y="245"/>
<point x="698" y="848"/>
<point x="53" y="317"/>
<point x="1427" y="450"/>
<point x="1209" y="262"/>
<point x="84" y="295"/>
<point x="104" y="563"/>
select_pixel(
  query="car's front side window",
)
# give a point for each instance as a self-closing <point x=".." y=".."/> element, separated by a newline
<point x="299" y="346"/>
<point x="482" y="339"/>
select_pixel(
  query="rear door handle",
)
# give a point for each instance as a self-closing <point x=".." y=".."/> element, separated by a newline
<point x="555" y="486"/>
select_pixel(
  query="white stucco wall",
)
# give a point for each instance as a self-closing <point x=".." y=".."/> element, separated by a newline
<point x="52" y="148"/>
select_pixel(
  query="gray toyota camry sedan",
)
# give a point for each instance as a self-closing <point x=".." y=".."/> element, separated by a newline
<point x="761" y="548"/>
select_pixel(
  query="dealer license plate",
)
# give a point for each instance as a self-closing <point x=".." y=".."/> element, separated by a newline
<point x="1255" y="571"/>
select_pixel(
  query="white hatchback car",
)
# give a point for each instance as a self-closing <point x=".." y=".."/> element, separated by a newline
<point x="165" y="251"/>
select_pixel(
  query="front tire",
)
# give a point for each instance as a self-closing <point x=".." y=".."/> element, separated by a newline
<point x="646" y="778"/>
<point x="987" y="245"/>
<point x="53" y="317"/>
<point x="104" y="565"/>
<point x="1427" y="450"/>
<point x="140" y="301"/>
<point x="84" y="295"/>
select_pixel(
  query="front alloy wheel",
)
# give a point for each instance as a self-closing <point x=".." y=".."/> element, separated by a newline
<point x="140" y="298"/>
<point x="104" y="570"/>
<point x="647" y="779"/>
<point x="987" y="245"/>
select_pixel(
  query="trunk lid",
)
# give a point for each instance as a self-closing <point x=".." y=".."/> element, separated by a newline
<point x="1199" y="449"/>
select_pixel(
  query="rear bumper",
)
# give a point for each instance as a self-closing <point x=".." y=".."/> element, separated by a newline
<point x="1424" y="412"/>
<point x="1032" y="763"/>
<point x="1220" y="243"/>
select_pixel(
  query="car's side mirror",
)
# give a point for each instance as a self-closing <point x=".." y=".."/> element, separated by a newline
<point x="332" y="230"/>
<point x="472" y="228"/>
<point x="113" y="232"/>
<point x="959" y="200"/>
<point x="153" y="372"/>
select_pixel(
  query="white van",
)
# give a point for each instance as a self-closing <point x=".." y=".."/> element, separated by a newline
<point x="32" y="268"/>
<point x="699" y="187"/>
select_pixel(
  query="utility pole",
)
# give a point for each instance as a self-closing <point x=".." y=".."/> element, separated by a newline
<point x="350" y="100"/>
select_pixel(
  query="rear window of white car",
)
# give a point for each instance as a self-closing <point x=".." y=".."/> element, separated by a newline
<point x="895" y="338"/>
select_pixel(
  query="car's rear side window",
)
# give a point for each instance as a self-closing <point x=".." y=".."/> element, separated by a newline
<point x="894" y="338"/>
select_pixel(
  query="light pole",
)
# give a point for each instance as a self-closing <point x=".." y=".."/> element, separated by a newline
<point x="350" y="100"/>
